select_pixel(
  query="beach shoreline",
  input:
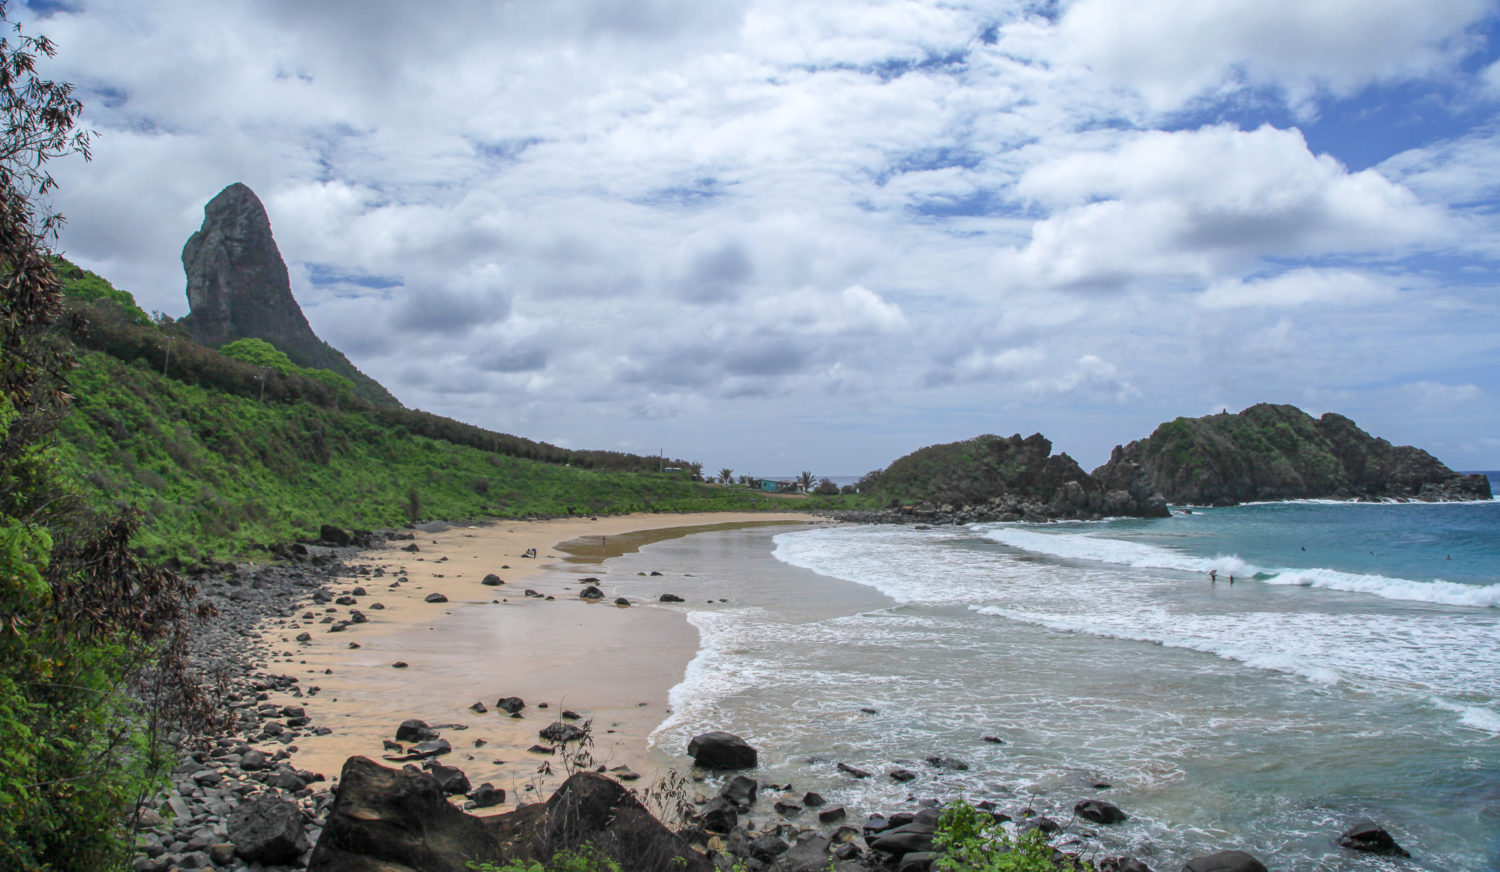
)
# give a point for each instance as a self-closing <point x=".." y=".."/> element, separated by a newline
<point x="613" y="666"/>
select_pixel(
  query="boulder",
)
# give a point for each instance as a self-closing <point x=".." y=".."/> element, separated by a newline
<point x="831" y="815"/>
<point x="1224" y="861"/>
<point x="450" y="778"/>
<point x="430" y="748"/>
<point x="767" y="848"/>
<point x="558" y="733"/>
<point x="1371" y="838"/>
<point x="435" y="598"/>
<point x="810" y="854"/>
<point x="622" y="601"/>
<point x="413" y="730"/>
<point x="510" y="705"/>
<point x="591" y="593"/>
<point x="267" y="829"/>
<point x="1099" y="811"/>
<point x="1122" y="864"/>
<point x="741" y="791"/>
<point x="916" y="861"/>
<point x="813" y="800"/>
<point x="719" y="816"/>
<point x="904" y="840"/>
<point x="590" y="807"/>
<point x="671" y="598"/>
<point x="850" y="770"/>
<point x="492" y="580"/>
<point x="334" y="536"/>
<point x="721" y="750"/>
<point x="902" y="775"/>
<point x="948" y="763"/>
<point x="388" y="819"/>
<point x="486" y="795"/>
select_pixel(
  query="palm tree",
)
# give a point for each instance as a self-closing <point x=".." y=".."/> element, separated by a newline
<point x="805" y="479"/>
<point x="726" y="476"/>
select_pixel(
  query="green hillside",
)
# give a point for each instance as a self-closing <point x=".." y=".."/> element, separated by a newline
<point x="226" y="456"/>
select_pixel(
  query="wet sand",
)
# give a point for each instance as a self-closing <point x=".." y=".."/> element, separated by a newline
<point x="610" y="664"/>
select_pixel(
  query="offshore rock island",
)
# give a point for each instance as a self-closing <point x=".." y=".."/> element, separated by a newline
<point x="1279" y="452"/>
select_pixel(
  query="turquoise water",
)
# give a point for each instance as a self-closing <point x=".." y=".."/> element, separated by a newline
<point x="1324" y="686"/>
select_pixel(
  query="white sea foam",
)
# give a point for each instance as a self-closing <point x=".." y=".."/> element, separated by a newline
<point x="1477" y="717"/>
<point x="1443" y="592"/>
<point x="1104" y="549"/>
<point x="1251" y="652"/>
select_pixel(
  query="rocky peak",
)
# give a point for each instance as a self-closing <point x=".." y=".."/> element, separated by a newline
<point x="237" y="283"/>
<point x="237" y="288"/>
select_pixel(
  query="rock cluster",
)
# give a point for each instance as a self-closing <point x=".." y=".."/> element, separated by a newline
<point x="993" y="478"/>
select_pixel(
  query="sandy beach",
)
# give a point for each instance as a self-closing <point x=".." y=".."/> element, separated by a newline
<point x="610" y="664"/>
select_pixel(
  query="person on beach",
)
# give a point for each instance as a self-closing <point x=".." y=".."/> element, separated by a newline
<point x="1213" y="576"/>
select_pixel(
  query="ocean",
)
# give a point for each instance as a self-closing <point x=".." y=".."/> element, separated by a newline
<point x="1350" y="671"/>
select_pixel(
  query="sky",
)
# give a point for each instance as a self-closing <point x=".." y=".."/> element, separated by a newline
<point x="776" y="235"/>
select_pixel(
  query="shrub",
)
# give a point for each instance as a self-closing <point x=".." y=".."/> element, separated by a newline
<point x="970" y="840"/>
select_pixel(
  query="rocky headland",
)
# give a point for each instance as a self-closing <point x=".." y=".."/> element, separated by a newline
<point x="1279" y="452"/>
<point x="238" y="288"/>
<point x="994" y="478"/>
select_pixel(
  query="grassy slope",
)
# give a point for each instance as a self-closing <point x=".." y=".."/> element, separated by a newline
<point x="222" y="465"/>
<point x="217" y="474"/>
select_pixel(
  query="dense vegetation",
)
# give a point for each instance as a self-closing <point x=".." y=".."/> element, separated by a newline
<point x="970" y="840"/>
<point x="217" y="474"/>
<point x="974" y="471"/>
<point x="91" y="641"/>
<point x="1276" y="452"/>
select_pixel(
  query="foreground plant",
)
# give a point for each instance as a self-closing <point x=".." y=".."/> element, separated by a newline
<point x="92" y="641"/>
<point x="970" y="840"/>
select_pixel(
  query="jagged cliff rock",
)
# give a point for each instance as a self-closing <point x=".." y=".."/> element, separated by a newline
<point x="1279" y="452"/>
<point x="993" y="478"/>
<point x="237" y="287"/>
<point x="391" y="820"/>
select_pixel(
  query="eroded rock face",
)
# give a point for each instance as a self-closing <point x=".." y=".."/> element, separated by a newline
<point x="388" y="820"/>
<point x="237" y="288"/>
<point x="237" y="283"/>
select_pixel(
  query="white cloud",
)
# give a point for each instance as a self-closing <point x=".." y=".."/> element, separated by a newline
<point x="1174" y="50"/>
<point x="1299" y="287"/>
<point x="1431" y="396"/>
<point x="553" y="218"/>
<point x="1089" y="376"/>
<point x="1196" y="204"/>
<point x="1490" y="79"/>
<point x="1457" y="172"/>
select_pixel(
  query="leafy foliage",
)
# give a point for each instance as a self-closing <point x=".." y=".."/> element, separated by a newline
<point x="90" y="639"/>
<point x="258" y="352"/>
<point x="92" y="287"/>
<point x="217" y="475"/>
<point x="969" y="840"/>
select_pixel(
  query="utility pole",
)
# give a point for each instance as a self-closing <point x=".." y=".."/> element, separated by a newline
<point x="168" y="358"/>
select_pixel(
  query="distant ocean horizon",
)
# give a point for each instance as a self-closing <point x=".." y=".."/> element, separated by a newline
<point x="1350" y="671"/>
